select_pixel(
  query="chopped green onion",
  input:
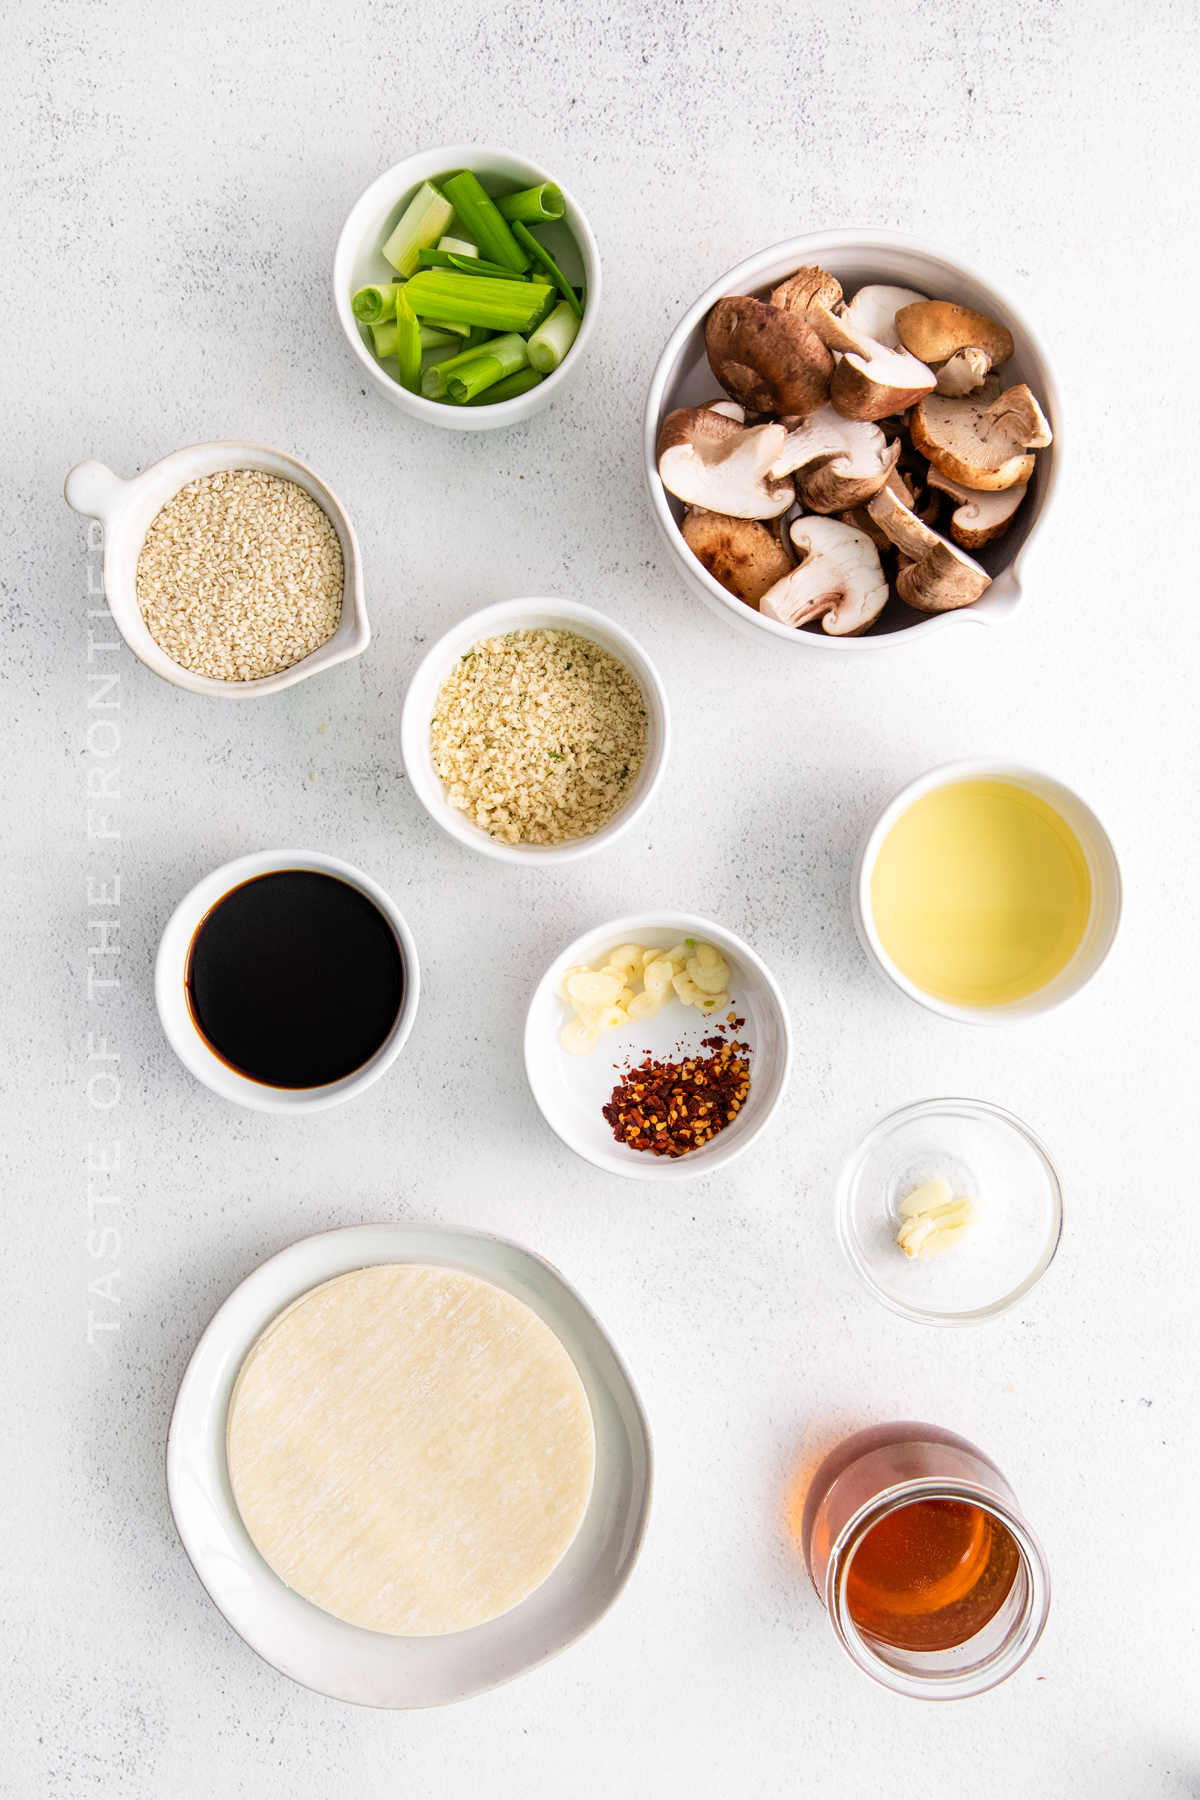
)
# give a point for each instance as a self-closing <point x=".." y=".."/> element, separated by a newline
<point x="534" y="206"/>
<point x="423" y="222"/>
<point x="479" y="334"/>
<point x="460" y="245"/>
<point x="508" y="389"/>
<point x="434" y="381"/>
<point x="466" y="265"/>
<point x="475" y="300"/>
<point x="372" y="304"/>
<point x="383" y="337"/>
<point x="486" y="369"/>
<point x="433" y="339"/>
<point x="551" y="341"/>
<point x="503" y="357"/>
<point x="481" y="217"/>
<point x="525" y="237"/>
<point x="408" y="345"/>
<point x="449" y="326"/>
<point x="439" y="354"/>
<point x="546" y="308"/>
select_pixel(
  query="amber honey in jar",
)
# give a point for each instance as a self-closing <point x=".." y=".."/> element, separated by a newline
<point x="933" y="1581"/>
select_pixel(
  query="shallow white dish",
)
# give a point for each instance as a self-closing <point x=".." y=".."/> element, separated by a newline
<point x="359" y="262"/>
<point x="984" y="1153"/>
<point x="571" y="1090"/>
<point x="365" y="1667"/>
<point x="682" y="377"/>
<point x="1103" y="869"/>
<point x="529" y="615"/>
<point x="127" y="509"/>
<point x="170" y="986"/>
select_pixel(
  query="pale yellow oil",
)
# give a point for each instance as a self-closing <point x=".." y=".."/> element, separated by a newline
<point x="980" y="893"/>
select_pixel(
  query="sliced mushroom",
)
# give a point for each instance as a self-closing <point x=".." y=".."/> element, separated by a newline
<point x="985" y="440"/>
<point x="860" y="518"/>
<point x="842" y="462"/>
<point x="870" y="380"/>
<point x="728" y="409"/>
<point x="839" y="582"/>
<point x="713" y="462"/>
<point x="741" y="554"/>
<point x="767" y="358"/>
<point x="873" y="311"/>
<point x="805" y="288"/>
<point x="960" y="345"/>
<point x="978" y="517"/>
<point x="940" y="576"/>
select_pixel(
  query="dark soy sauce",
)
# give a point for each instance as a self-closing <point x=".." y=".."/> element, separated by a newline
<point x="294" y="979"/>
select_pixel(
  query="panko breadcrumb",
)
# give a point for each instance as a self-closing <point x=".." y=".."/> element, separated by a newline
<point x="539" y="736"/>
<point x="240" y="576"/>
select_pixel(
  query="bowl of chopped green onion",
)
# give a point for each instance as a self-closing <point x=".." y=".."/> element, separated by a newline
<point x="467" y="283"/>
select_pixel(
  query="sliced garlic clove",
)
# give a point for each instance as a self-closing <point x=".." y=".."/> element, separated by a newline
<point x="593" y="988"/>
<point x="627" y="957"/>
<point x="711" y="980"/>
<point x="924" y="1198"/>
<point x="960" y="1213"/>
<point x="687" y="990"/>
<point x="624" y="997"/>
<point x="678" y="956"/>
<point x="708" y="958"/>
<point x="578" y="1039"/>
<point x="560" y="986"/>
<point x="941" y="1240"/>
<point x="611" y="1018"/>
<point x="644" y="1006"/>
<point x="712" y="1003"/>
<point x="657" y="976"/>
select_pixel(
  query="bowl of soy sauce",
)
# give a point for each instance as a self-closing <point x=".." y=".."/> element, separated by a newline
<point x="287" y="981"/>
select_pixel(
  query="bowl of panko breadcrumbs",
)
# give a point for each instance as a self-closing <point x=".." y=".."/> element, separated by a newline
<point x="230" y="569"/>
<point x="535" y="731"/>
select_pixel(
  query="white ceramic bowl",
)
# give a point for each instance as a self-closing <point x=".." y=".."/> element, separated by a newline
<point x="1103" y="870"/>
<point x="570" y="1090"/>
<point x="683" y="378"/>
<point x="359" y="262"/>
<point x="983" y="1152"/>
<point x="170" y="989"/>
<point x="127" y="509"/>
<point x="530" y="615"/>
<point x="370" y="1668"/>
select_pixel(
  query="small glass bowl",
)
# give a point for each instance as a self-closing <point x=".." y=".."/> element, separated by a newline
<point x="982" y="1151"/>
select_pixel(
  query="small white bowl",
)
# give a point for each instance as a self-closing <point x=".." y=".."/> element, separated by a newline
<point x="984" y="1153"/>
<point x="571" y="1090"/>
<point x="529" y="615"/>
<point x="683" y="378"/>
<point x="127" y="509"/>
<point x="170" y="986"/>
<point x="1103" y="869"/>
<point x="370" y="1668"/>
<point x="359" y="262"/>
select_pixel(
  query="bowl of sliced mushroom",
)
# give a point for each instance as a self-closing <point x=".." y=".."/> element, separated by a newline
<point x="849" y="441"/>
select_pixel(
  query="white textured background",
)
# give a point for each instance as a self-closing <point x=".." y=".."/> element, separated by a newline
<point x="177" y="177"/>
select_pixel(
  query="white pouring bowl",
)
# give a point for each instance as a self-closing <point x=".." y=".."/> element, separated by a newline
<point x="570" y="1090"/>
<point x="445" y="656"/>
<point x="682" y="377"/>
<point x="170" y="986"/>
<point x="1104" y="872"/>
<point x="359" y="262"/>
<point x="127" y="509"/>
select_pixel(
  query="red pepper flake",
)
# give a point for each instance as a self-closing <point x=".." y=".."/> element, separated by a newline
<point x="696" y="1098"/>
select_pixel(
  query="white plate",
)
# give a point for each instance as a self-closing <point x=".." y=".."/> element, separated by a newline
<point x="366" y="1667"/>
<point x="571" y="1090"/>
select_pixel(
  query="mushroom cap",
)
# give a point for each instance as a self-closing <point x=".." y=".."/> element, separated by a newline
<point x="871" y="380"/>
<point x="741" y="554"/>
<point x="805" y="287"/>
<point x="767" y="358"/>
<point x="940" y="577"/>
<point x="842" y="461"/>
<point x="873" y="310"/>
<point x="984" y="439"/>
<point x="980" y="516"/>
<point x="839" y="582"/>
<point x="711" y="461"/>
<point x="936" y="330"/>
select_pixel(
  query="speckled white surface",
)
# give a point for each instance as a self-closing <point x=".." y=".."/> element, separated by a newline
<point x="177" y="178"/>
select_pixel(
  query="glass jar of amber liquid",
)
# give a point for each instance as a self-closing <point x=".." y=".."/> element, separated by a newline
<point x="934" y="1583"/>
